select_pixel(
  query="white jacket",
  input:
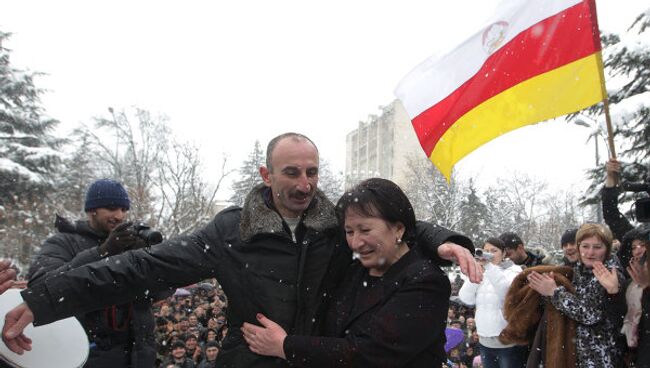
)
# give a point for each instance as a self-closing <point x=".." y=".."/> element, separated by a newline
<point x="488" y="297"/>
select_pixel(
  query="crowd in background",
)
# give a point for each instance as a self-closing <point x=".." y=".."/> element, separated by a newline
<point x="191" y="326"/>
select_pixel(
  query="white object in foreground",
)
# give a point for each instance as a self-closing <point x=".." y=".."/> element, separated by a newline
<point x="58" y="344"/>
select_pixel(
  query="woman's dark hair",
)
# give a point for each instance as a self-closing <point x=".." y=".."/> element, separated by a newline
<point x="496" y="242"/>
<point x="376" y="197"/>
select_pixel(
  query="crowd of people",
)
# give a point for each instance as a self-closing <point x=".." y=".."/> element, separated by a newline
<point x="589" y="309"/>
<point x="191" y="326"/>
<point x="274" y="284"/>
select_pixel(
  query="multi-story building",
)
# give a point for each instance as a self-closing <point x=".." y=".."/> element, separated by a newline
<point x="381" y="146"/>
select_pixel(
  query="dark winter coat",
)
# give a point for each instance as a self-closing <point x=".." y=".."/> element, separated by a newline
<point x="533" y="259"/>
<point x="131" y="342"/>
<point x="612" y="216"/>
<point x="397" y="320"/>
<point x="187" y="363"/>
<point x="250" y="251"/>
<point x="206" y="364"/>
<point x="566" y="262"/>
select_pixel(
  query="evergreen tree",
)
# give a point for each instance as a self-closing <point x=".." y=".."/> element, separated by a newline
<point x="627" y="66"/>
<point x="28" y="151"/>
<point x="29" y="159"/>
<point x="71" y="184"/>
<point x="474" y="216"/>
<point x="248" y="175"/>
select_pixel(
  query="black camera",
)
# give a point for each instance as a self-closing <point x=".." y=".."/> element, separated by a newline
<point x="144" y="232"/>
<point x="642" y="205"/>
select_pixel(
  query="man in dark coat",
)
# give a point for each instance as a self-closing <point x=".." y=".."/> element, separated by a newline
<point x="119" y="335"/>
<point x="211" y="352"/>
<point x="178" y="357"/>
<point x="282" y="254"/>
<point x="569" y="247"/>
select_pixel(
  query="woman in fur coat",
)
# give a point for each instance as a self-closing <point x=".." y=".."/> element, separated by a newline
<point x="598" y="304"/>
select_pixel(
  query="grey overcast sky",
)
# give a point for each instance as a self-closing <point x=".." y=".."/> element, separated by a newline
<point x="230" y="72"/>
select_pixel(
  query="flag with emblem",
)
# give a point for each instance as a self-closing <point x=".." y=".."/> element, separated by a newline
<point x="535" y="60"/>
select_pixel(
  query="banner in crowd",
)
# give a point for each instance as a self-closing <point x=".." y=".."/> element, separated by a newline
<point x="535" y="60"/>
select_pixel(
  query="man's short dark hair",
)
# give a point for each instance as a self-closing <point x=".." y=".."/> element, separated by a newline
<point x="178" y="344"/>
<point x="212" y="344"/>
<point x="510" y="240"/>
<point x="274" y="142"/>
<point x="161" y="321"/>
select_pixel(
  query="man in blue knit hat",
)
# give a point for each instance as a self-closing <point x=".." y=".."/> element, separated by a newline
<point x="119" y="335"/>
<point x="106" y="205"/>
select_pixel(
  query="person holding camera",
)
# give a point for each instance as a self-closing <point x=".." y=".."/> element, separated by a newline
<point x="488" y="297"/>
<point x="119" y="335"/>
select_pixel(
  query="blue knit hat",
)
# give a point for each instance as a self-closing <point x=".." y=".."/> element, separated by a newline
<point x="106" y="193"/>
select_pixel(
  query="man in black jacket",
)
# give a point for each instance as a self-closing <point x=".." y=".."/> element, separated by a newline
<point x="119" y="335"/>
<point x="282" y="255"/>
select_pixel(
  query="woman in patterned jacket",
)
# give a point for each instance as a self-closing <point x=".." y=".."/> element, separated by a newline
<point x="598" y="305"/>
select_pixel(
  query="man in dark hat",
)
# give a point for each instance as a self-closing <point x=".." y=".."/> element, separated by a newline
<point x="178" y="357"/>
<point x="119" y="335"/>
<point x="569" y="247"/>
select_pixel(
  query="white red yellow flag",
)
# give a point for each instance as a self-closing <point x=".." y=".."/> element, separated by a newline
<point x="535" y="60"/>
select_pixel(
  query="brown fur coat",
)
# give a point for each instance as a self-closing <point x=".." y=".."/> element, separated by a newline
<point x="523" y="309"/>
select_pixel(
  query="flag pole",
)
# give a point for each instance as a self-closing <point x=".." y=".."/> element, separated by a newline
<point x="610" y="130"/>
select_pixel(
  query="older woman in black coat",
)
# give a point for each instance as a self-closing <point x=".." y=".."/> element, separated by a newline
<point x="391" y="308"/>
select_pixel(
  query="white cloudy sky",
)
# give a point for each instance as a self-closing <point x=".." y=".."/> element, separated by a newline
<point x="230" y="72"/>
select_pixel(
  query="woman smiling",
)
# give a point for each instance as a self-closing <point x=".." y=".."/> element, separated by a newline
<point x="598" y="304"/>
<point x="391" y="308"/>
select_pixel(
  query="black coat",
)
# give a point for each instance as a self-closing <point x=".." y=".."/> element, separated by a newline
<point x="250" y="251"/>
<point x="397" y="320"/>
<point x="187" y="363"/>
<point x="612" y="215"/>
<point x="76" y="245"/>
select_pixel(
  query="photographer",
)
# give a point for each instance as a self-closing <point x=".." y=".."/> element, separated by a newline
<point x="119" y="335"/>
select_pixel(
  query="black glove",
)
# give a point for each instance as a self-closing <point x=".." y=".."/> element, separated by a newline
<point x="120" y="239"/>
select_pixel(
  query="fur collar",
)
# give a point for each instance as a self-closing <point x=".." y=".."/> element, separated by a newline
<point x="63" y="225"/>
<point x="257" y="217"/>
